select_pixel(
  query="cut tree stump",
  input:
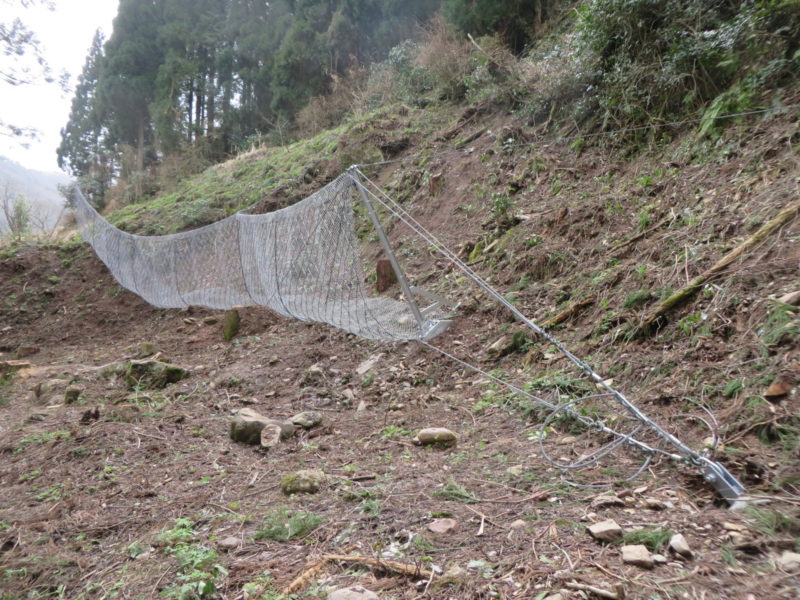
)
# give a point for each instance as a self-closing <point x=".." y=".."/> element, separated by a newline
<point x="385" y="275"/>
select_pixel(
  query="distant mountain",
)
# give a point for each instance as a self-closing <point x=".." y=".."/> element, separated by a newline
<point x="40" y="188"/>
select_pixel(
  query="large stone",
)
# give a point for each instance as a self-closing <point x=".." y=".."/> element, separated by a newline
<point x="355" y="592"/>
<point x="152" y="374"/>
<point x="605" y="531"/>
<point x="247" y="425"/>
<point x="436" y="436"/>
<point x="305" y="481"/>
<point x="638" y="555"/>
<point x="307" y="419"/>
<point x="679" y="545"/>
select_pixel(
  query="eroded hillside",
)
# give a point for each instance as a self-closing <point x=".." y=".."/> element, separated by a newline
<point x="115" y="487"/>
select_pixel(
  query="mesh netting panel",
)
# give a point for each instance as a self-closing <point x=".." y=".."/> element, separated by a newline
<point x="303" y="262"/>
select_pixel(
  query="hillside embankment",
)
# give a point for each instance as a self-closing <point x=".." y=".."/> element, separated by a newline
<point x="118" y="487"/>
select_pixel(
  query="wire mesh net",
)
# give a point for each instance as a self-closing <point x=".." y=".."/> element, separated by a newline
<point x="303" y="261"/>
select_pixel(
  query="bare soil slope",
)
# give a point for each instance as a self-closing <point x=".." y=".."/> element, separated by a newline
<point x="132" y="492"/>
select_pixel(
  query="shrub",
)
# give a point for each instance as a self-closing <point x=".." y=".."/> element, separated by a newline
<point x="654" y="58"/>
<point x="517" y="21"/>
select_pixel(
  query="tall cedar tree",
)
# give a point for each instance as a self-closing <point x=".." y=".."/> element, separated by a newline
<point x="81" y="152"/>
<point x="209" y="74"/>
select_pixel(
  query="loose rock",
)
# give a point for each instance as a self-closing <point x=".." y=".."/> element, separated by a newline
<point x="789" y="561"/>
<point x="606" y="500"/>
<point x="307" y="419"/>
<point x="436" y="436"/>
<point x="791" y="298"/>
<point x="305" y="481"/>
<point x="680" y="546"/>
<point x="605" y="531"/>
<point x="72" y="394"/>
<point x="368" y="364"/>
<point x="443" y="525"/>
<point x="637" y="555"/>
<point x="778" y="388"/>
<point x="270" y="435"/>
<point x="152" y="374"/>
<point x="654" y="504"/>
<point x="352" y="593"/>
<point x="247" y="425"/>
<point x="501" y="347"/>
<point x="229" y="543"/>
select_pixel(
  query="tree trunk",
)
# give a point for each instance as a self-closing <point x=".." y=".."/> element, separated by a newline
<point x="210" y="96"/>
<point x="140" y="145"/>
<point x="190" y="110"/>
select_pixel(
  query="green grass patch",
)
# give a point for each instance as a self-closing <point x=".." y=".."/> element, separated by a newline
<point x="282" y="524"/>
<point x="455" y="492"/>
<point x="653" y="539"/>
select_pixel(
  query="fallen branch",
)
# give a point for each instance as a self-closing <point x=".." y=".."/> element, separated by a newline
<point x="384" y="565"/>
<point x="568" y="312"/>
<point x="471" y="138"/>
<point x="619" y="594"/>
<point x="302" y="580"/>
<point x="679" y="297"/>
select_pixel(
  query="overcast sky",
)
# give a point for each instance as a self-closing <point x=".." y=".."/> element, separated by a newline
<point x="65" y="35"/>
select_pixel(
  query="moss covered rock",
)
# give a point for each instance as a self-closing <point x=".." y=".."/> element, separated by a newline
<point x="152" y="374"/>
<point x="305" y="481"/>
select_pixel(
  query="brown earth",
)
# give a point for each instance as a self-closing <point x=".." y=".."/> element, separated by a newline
<point x="89" y="488"/>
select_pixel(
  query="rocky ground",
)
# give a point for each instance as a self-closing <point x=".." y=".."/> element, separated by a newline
<point x="120" y="478"/>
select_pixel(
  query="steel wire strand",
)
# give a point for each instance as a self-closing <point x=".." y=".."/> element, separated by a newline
<point x="398" y="211"/>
